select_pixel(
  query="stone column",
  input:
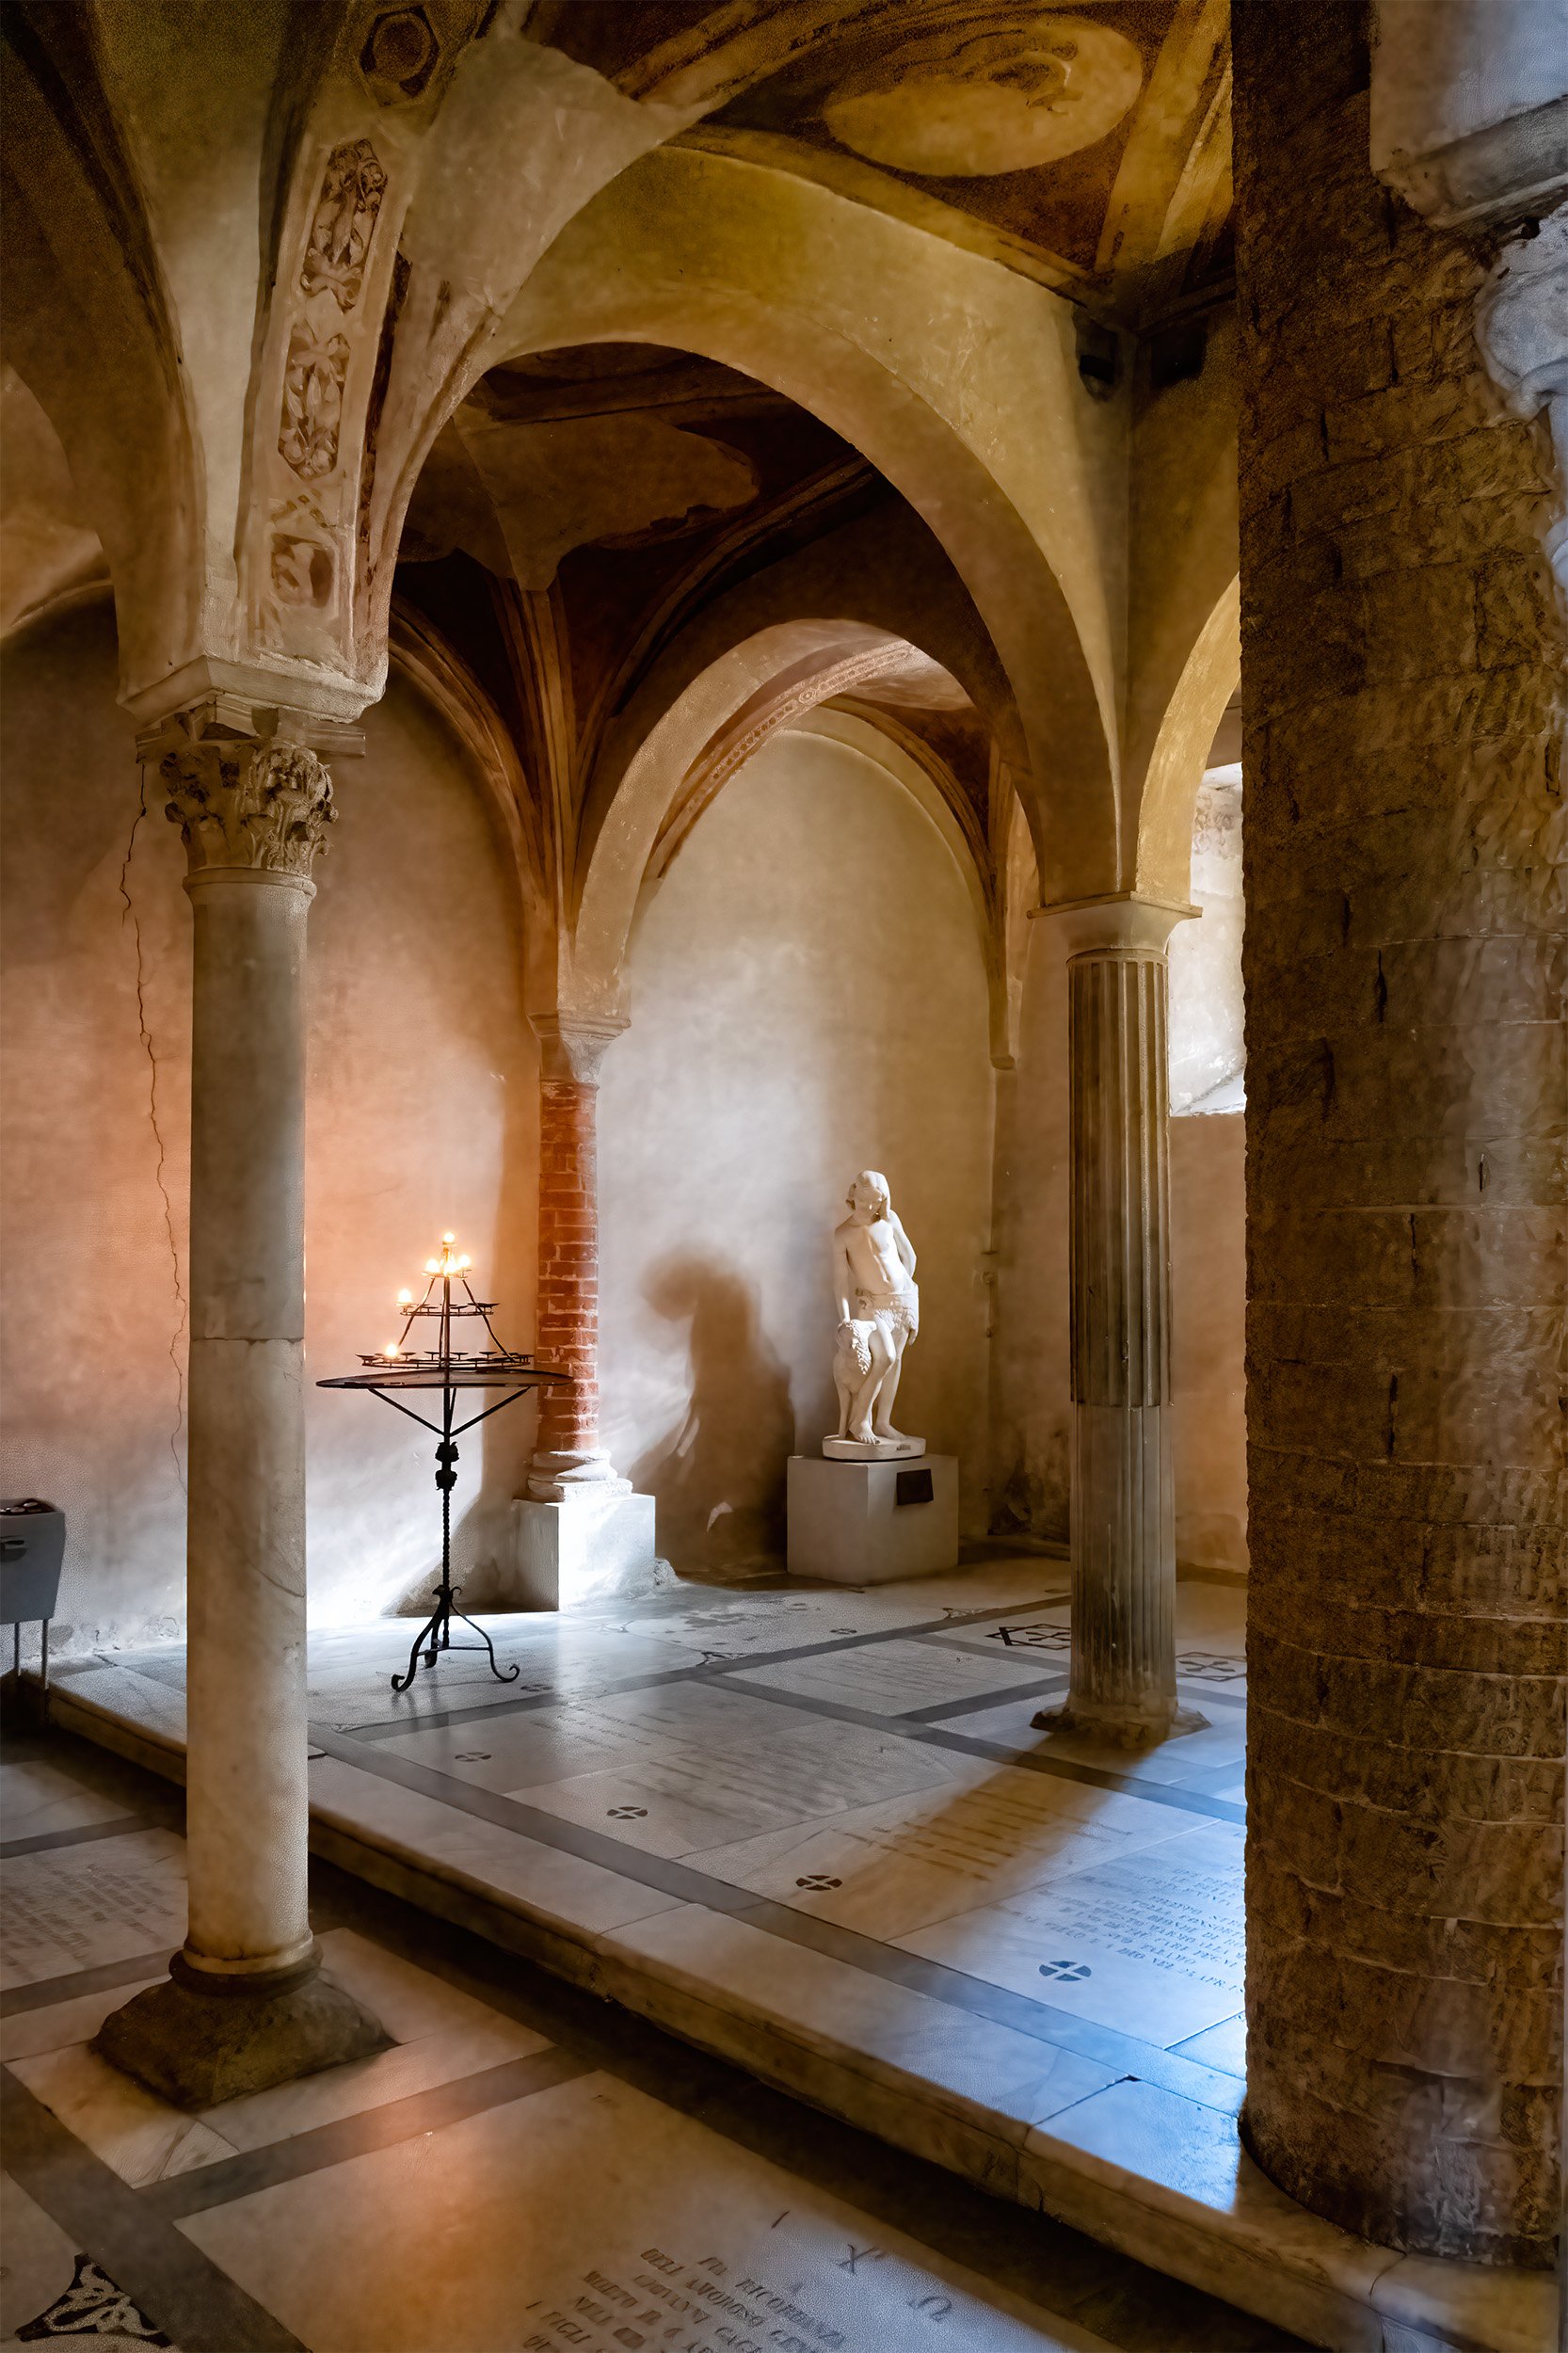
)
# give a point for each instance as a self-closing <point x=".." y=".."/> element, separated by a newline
<point x="1123" y="1684"/>
<point x="1404" y="705"/>
<point x="245" y="2006"/>
<point x="580" y="1528"/>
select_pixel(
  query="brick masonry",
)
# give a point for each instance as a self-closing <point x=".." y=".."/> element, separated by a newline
<point x="1404" y="692"/>
<point x="568" y="1263"/>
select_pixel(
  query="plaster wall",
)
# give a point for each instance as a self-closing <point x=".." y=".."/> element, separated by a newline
<point x="423" y="1115"/>
<point x="808" y="998"/>
<point x="1208" y="1322"/>
<point x="1207" y="1054"/>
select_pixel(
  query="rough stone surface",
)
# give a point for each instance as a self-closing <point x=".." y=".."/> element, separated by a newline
<point x="197" y="2048"/>
<point x="1403" y="699"/>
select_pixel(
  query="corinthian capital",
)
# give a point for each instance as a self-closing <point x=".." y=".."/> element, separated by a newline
<point x="243" y="794"/>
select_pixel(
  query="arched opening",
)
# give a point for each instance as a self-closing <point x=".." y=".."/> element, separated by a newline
<point x="760" y="725"/>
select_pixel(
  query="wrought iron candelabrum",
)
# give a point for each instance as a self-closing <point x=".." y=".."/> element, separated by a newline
<point x="451" y="1370"/>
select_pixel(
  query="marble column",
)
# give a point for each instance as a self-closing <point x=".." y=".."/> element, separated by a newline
<point x="582" y="1532"/>
<point x="1122" y="1675"/>
<point x="244" y="2005"/>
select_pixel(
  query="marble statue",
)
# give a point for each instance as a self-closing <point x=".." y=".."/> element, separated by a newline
<point x="879" y="1314"/>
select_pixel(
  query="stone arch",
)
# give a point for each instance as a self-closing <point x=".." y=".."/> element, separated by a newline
<point x="418" y="649"/>
<point x="762" y="683"/>
<point x="1175" y="767"/>
<point x="1184" y="625"/>
<point x="91" y="332"/>
<point x="977" y="422"/>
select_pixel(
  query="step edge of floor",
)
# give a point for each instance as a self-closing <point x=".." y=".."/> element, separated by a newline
<point x="1413" y="2305"/>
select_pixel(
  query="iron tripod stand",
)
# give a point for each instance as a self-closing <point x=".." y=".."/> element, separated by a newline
<point x="450" y="1372"/>
<point x="436" y="1633"/>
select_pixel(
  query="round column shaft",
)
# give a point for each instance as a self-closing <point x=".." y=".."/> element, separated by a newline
<point x="1402" y="659"/>
<point x="246" y="1810"/>
<point x="1123" y="1676"/>
<point x="244" y="2005"/>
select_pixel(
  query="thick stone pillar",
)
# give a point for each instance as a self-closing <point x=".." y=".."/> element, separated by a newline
<point x="1123" y="1684"/>
<point x="582" y="1532"/>
<point x="1403" y="703"/>
<point x="244" y="2005"/>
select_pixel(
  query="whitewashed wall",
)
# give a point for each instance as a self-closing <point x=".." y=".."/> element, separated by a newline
<point x="422" y="1113"/>
<point x="807" y="999"/>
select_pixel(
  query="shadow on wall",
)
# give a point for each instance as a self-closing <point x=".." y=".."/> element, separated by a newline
<point x="719" y="1477"/>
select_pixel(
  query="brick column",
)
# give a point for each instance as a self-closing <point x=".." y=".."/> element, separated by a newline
<point x="567" y="1454"/>
<point x="1405" y="1112"/>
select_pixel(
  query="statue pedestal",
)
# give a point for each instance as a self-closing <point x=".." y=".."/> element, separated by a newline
<point x="868" y="1523"/>
<point x="595" y="1544"/>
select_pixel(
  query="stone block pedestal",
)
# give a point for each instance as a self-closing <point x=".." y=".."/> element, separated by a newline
<point x="848" y="1525"/>
<point x="595" y="1544"/>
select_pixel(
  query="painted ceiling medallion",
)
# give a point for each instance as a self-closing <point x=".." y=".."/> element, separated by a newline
<point x="1020" y="91"/>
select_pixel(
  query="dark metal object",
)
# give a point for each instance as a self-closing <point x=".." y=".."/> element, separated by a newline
<point x="449" y="1370"/>
<point x="913" y="1486"/>
<point x="32" y="1544"/>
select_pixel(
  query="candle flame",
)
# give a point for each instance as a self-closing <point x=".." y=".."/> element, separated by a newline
<point x="405" y="1297"/>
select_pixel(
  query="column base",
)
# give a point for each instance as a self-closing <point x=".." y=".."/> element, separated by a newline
<point x="197" y="2041"/>
<point x="554" y="1477"/>
<point x="1119" y="1728"/>
<point x="595" y="1543"/>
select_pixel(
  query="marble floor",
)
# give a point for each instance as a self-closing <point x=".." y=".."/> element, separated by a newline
<point x="814" y="1830"/>
<point x="523" y="2169"/>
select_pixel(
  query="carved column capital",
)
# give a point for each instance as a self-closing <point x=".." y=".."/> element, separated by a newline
<point x="1116" y="923"/>
<point x="572" y="1046"/>
<point x="246" y="788"/>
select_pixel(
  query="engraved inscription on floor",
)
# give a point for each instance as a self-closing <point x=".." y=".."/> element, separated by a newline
<point x="495" y="2178"/>
<point x="865" y="1760"/>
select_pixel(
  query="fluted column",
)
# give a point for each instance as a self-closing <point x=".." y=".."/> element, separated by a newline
<point x="1122" y="1682"/>
<point x="567" y="1454"/>
<point x="254" y="810"/>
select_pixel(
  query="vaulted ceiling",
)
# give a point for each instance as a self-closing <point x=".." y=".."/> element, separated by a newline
<point x="585" y="505"/>
<point x="584" y="512"/>
<point x="609" y="492"/>
<point x="1088" y="148"/>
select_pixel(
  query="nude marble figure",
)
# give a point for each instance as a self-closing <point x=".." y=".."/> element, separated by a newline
<point x="879" y="1314"/>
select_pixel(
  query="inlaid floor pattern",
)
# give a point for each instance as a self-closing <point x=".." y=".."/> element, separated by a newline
<point x="524" y="2169"/>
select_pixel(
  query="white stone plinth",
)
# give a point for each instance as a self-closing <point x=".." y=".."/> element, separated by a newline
<point x="596" y="1543"/>
<point x="847" y="1526"/>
